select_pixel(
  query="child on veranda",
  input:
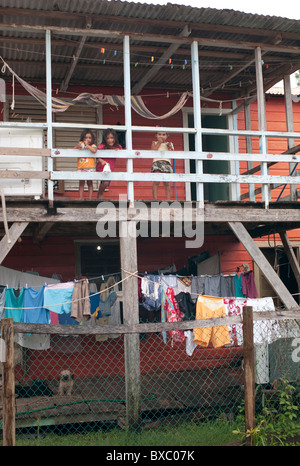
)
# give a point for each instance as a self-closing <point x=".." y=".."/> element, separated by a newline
<point x="109" y="142"/>
<point x="161" y="165"/>
<point x="86" y="164"/>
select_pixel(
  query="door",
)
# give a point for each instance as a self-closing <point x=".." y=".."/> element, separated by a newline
<point x="278" y="259"/>
<point x="211" y="143"/>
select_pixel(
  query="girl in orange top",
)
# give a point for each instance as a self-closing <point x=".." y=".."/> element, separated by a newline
<point x="86" y="164"/>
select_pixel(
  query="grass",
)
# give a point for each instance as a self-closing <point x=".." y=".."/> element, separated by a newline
<point x="187" y="434"/>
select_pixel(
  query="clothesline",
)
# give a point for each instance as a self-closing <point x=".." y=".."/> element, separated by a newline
<point x="130" y="274"/>
<point x="73" y="300"/>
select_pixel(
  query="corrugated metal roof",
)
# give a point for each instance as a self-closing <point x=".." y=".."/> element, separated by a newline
<point x="226" y="39"/>
<point x="276" y="90"/>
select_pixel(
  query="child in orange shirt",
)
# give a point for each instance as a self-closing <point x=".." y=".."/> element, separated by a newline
<point x="86" y="164"/>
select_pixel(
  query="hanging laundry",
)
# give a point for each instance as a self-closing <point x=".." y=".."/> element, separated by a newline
<point x="238" y="286"/>
<point x="33" y="341"/>
<point x="34" y="311"/>
<point x="94" y="302"/>
<point x="115" y="317"/>
<point x="81" y="307"/>
<point x="66" y="319"/>
<point x="16" y="279"/>
<point x="58" y="297"/>
<point x="234" y="307"/>
<point x="208" y="307"/>
<point x="263" y="330"/>
<point x="197" y="286"/>
<point x="14" y="304"/>
<point x="174" y="314"/>
<point x="190" y="345"/>
<point x="186" y="305"/>
<point x="227" y="285"/>
<point x="152" y="295"/>
<point x="105" y="305"/>
<point x="213" y="285"/>
<point x="248" y="285"/>
<point x="2" y="301"/>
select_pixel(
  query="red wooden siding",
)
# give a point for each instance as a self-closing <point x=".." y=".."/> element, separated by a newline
<point x="276" y="121"/>
<point x="57" y="255"/>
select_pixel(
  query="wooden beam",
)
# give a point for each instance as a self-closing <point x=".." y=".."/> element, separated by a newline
<point x="128" y="246"/>
<point x="291" y="255"/>
<point x="8" y="380"/>
<point x="41" y="329"/>
<point x="19" y="175"/>
<point x="251" y="171"/>
<point x="7" y="243"/>
<point x="263" y="264"/>
<point x="41" y="231"/>
<point x="149" y="37"/>
<point x="68" y="15"/>
<point x="289" y="127"/>
<point x="72" y="213"/>
<point x="25" y="152"/>
<point x="249" y="396"/>
<point x="160" y="63"/>
<point x="65" y="83"/>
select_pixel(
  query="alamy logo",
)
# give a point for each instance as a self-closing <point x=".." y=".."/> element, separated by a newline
<point x="159" y="219"/>
<point x="296" y="352"/>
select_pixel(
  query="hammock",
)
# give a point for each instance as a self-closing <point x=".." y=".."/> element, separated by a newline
<point x="137" y="103"/>
<point x="94" y="100"/>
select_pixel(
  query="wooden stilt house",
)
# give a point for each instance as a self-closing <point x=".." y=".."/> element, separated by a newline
<point x="199" y="74"/>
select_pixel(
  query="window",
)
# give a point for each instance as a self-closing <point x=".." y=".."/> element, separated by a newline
<point x="97" y="257"/>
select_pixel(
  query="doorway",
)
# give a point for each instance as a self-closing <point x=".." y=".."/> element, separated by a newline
<point x="279" y="260"/>
<point x="97" y="258"/>
<point x="211" y="143"/>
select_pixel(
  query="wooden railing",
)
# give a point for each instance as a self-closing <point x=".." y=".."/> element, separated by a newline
<point x="235" y="179"/>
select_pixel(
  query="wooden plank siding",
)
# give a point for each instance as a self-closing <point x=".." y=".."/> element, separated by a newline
<point x="276" y="121"/>
<point x="56" y="255"/>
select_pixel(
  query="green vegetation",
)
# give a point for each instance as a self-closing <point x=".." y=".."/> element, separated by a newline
<point x="278" y="423"/>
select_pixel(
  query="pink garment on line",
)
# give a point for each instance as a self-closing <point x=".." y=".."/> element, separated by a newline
<point x="174" y="314"/>
<point x="248" y="285"/>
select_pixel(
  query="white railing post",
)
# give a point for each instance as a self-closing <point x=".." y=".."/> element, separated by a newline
<point x="128" y="123"/>
<point x="235" y="190"/>
<point x="197" y="117"/>
<point x="262" y="121"/>
<point x="49" y="113"/>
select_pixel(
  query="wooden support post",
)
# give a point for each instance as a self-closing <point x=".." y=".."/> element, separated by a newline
<point x="8" y="383"/>
<point x="130" y="317"/>
<point x="262" y="119"/>
<point x="249" y="371"/>
<point x="249" y="147"/>
<point x="263" y="264"/>
<point x="289" y="127"/>
<point x="7" y="242"/>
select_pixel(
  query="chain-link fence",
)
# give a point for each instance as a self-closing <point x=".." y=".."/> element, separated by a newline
<point x="77" y="386"/>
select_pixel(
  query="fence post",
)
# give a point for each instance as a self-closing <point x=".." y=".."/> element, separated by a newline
<point x="131" y="316"/>
<point x="8" y="383"/>
<point x="249" y="371"/>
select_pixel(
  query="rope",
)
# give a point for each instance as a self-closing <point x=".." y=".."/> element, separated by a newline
<point x="73" y="300"/>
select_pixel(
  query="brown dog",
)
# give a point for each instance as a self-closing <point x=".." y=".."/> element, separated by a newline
<point x="66" y="383"/>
